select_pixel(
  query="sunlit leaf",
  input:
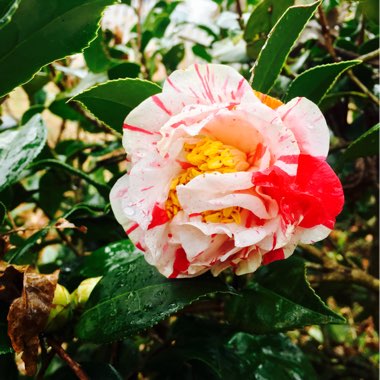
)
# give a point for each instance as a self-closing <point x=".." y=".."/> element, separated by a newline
<point x="280" y="41"/>
<point x="316" y="82"/>
<point x="28" y="43"/>
<point x="112" y="101"/>
<point x="18" y="148"/>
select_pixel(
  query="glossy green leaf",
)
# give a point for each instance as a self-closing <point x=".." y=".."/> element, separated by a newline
<point x="366" y="145"/>
<point x="7" y="9"/>
<point x="41" y="32"/>
<point x="199" y="352"/>
<point x="206" y="350"/>
<point x="52" y="163"/>
<point x="18" y="148"/>
<point x="271" y="357"/>
<point x="135" y="296"/>
<point x="316" y="82"/>
<point x="279" y="44"/>
<point x="96" y="55"/>
<point x="262" y="19"/>
<point x="280" y="299"/>
<point x="110" y="257"/>
<point x="110" y="102"/>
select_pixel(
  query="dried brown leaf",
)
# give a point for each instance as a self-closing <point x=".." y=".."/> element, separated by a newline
<point x="11" y="281"/>
<point x="28" y="315"/>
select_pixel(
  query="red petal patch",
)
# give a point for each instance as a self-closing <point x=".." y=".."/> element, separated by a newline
<point x="313" y="197"/>
<point x="269" y="257"/>
<point x="159" y="216"/>
<point x="180" y="264"/>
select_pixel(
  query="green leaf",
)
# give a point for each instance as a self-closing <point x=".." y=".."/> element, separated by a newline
<point x="279" y="44"/>
<point x="7" y="9"/>
<point x="62" y="28"/>
<point x="52" y="163"/>
<point x="271" y="357"/>
<point x="201" y="51"/>
<point x="316" y="82"/>
<point x="280" y="299"/>
<point x="124" y="70"/>
<point x="111" y="102"/>
<point x="96" y="55"/>
<point x="3" y="211"/>
<point x="20" y="147"/>
<point x="134" y="296"/>
<point x="199" y="352"/>
<point x="262" y="19"/>
<point x="52" y="186"/>
<point x="204" y="349"/>
<point x="173" y="57"/>
<point x="108" y="258"/>
<point x="30" y="112"/>
<point x="366" y="145"/>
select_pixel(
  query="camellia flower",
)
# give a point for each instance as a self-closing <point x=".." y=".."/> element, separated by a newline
<point x="221" y="176"/>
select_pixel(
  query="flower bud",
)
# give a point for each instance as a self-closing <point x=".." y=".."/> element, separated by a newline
<point x="61" y="310"/>
<point x="81" y="295"/>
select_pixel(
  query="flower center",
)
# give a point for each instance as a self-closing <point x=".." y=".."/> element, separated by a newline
<point x="207" y="156"/>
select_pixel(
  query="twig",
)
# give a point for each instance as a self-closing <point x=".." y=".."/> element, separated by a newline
<point x="326" y="33"/>
<point x="240" y="14"/>
<point x="363" y="87"/>
<point x="140" y="50"/>
<point x="24" y="229"/>
<point x="69" y="243"/>
<point x="369" y="56"/>
<point x="340" y="273"/>
<point x="108" y="161"/>
<point x="330" y="48"/>
<point x="75" y="367"/>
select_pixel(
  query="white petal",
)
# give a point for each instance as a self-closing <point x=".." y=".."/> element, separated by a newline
<point x="308" y="124"/>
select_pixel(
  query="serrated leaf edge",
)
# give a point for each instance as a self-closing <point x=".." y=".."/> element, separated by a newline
<point x="354" y="63"/>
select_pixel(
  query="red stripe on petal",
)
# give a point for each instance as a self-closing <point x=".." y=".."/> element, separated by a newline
<point x="205" y="84"/>
<point x="159" y="217"/>
<point x="136" y="129"/>
<point x="269" y="257"/>
<point x="173" y="85"/>
<point x="194" y="214"/>
<point x="290" y="109"/>
<point x="157" y="101"/>
<point x="131" y="229"/>
<point x="140" y="247"/>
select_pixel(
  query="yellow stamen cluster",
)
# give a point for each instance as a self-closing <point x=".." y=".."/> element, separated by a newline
<point x="207" y="156"/>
